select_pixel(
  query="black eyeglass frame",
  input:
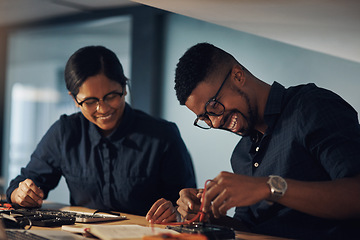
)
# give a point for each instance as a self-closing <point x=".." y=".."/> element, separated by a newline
<point x="213" y="99"/>
<point x="97" y="99"/>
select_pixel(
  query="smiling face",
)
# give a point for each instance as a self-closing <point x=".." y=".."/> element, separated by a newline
<point x="239" y="116"/>
<point x="106" y="116"/>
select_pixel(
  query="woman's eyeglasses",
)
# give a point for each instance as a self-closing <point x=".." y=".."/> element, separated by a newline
<point x="92" y="104"/>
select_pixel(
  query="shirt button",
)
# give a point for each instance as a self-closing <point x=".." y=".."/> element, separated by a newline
<point x="256" y="164"/>
<point x="257" y="149"/>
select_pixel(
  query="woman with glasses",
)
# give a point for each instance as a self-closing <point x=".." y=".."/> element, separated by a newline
<point x="113" y="157"/>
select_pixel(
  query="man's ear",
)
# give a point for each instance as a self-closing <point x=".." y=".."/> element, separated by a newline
<point x="239" y="73"/>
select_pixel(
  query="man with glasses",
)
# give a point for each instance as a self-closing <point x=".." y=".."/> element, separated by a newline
<point x="297" y="164"/>
<point x="113" y="157"/>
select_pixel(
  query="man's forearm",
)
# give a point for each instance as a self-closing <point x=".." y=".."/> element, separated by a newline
<point x="338" y="199"/>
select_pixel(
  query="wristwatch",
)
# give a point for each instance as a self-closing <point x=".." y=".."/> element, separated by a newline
<point x="277" y="186"/>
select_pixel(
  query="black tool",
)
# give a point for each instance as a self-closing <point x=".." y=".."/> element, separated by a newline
<point x="212" y="232"/>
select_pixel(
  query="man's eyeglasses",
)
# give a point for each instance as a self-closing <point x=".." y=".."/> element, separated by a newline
<point x="212" y="108"/>
<point x="91" y="104"/>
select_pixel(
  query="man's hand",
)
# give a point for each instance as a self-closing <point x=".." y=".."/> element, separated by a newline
<point x="229" y="190"/>
<point x="189" y="202"/>
<point x="161" y="211"/>
<point x="27" y="194"/>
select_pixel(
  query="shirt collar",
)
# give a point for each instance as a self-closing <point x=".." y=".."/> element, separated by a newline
<point x="274" y="104"/>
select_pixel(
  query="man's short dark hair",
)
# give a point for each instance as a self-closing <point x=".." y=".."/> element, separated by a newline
<point x="194" y="66"/>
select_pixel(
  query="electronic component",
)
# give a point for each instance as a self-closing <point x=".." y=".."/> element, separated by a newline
<point x="33" y="218"/>
<point x="48" y="218"/>
<point x="212" y="232"/>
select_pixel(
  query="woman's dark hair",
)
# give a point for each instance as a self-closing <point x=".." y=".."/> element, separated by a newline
<point x="90" y="61"/>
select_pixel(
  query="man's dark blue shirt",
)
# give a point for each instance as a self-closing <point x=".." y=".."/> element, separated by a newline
<point x="143" y="160"/>
<point x="312" y="135"/>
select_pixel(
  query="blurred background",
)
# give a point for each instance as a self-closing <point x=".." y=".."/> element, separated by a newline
<point x="291" y="43"/>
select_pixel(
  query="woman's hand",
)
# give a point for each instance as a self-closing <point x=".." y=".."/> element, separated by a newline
<point x="27" y="194"/>
<point x="162" y="211"/>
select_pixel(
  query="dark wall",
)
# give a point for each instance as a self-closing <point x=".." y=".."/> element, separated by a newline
<point x="147" y="49"/>
<point x="2" y="89"/>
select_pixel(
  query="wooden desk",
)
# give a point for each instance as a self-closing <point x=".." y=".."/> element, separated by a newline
<point x="140" y="220"/>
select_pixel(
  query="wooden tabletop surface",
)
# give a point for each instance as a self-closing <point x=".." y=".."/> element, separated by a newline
<point x="140" y="220"/>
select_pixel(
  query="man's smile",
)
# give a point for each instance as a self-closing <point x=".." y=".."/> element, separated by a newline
<point x="233" y="122"/>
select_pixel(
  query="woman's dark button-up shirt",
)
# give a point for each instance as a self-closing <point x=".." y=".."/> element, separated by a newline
<point x="143" y="160"/>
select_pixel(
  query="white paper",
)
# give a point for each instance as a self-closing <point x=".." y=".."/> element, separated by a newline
<point x="112" y="232"/>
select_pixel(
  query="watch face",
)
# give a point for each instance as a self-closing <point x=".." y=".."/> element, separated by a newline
<point x="278" y="183"/>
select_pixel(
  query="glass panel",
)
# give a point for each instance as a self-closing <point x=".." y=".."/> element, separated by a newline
<point x="36" y="95"/>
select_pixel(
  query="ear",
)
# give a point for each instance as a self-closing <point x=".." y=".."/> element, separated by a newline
<point x="72" y="96"/>
<point x="239" y="74"/>
<point x="125" y="91"/>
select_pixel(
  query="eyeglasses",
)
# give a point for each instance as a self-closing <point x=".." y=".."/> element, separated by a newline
<point x="92" y="104"/>
<point x="212" y="108"/>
